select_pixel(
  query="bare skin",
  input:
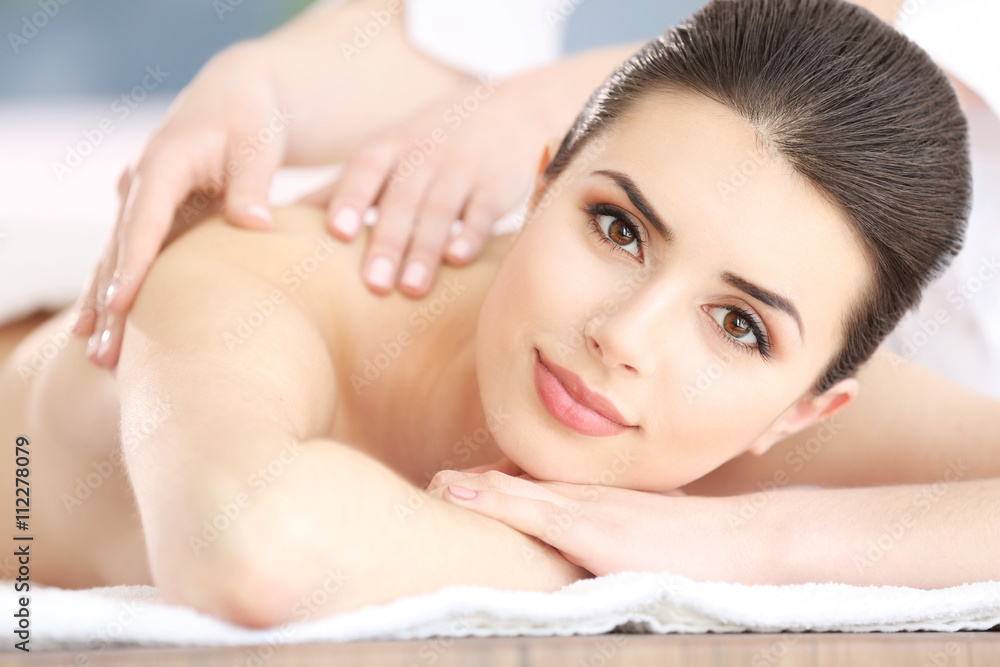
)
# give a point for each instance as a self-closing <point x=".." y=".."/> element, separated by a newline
<point x="69" y="410"/>
<point x="87" y="527"/>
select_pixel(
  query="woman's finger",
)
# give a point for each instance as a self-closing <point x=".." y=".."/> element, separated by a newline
<point x="357" y="187"/>
<point x="542" y="518"/>
<point x="448" y="476"/>
<point x="439" y="210"/>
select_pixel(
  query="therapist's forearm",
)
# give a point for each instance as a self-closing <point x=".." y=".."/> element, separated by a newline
<point x="341" y="82"/>
<point x="559" y="90"/>
<point x="343" y="93"/>
<point x="917" y="535"/>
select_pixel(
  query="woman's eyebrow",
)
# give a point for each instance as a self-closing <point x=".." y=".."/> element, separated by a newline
<point x="767" y="297"/>
<point x="637" y="199"/>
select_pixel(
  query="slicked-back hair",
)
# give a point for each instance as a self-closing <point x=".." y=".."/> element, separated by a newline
<point x="850" y="104"/>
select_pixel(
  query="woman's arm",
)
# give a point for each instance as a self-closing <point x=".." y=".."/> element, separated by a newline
<point x="906" y="426"/>
<point x="245" y="506"/>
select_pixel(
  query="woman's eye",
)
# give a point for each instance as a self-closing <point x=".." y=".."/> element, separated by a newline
<point x="612" y="226"/>
<point x="736" y="324"/>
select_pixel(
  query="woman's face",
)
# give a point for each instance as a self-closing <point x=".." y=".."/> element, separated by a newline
<point x="705" y="336"/>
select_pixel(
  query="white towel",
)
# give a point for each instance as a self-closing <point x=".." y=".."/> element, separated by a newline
<point x="648" y="602"/>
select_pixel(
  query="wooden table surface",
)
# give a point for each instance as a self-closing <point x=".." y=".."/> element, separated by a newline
<point x="923" y="649"/>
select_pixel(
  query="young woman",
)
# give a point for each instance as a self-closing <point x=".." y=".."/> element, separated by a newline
<point x="656" y="317"/>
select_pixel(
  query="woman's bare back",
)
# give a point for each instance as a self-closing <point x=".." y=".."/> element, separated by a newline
<point x="387" y="349"/>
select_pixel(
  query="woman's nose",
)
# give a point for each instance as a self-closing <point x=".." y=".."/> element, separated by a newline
<point x="632" y="331"/>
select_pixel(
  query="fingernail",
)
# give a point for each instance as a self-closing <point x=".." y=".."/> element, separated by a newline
<point x="105" y="343"/>
<point x="461" y="492"/>
<point x="460" y="248"/>
<point x="92" y="344"/>
<point x="347" y="220"/>
<point x="74" y="321"/>
<point x="110" y="294"/>
<point x="261" y="213"/>
<point x="415" y="274"/>
<point x="381" y="272"/>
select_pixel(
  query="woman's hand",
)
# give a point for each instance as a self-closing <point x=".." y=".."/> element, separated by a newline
<point x="607" y="529"/>
<point x="466" y="156"/>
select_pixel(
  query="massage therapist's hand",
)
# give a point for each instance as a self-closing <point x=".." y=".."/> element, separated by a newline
<point x="607" y="529"/>
<point x="469" y="156"/>
<point x="204" y="145"/>
<point x="294" y="97"/>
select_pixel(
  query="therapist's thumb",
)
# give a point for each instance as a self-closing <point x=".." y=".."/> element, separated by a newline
<point x="251" y="174"/>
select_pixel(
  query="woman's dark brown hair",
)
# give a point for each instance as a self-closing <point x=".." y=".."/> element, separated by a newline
<point x="852" y="105"/>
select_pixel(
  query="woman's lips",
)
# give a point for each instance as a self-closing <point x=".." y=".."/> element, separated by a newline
<point x="562" y="405"/>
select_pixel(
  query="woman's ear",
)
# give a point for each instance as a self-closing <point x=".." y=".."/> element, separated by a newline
<point x="806" y="412"/>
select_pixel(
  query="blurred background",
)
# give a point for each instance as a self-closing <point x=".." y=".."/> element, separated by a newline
<point x="88" y="47"/>
<point x="84" y="82"/>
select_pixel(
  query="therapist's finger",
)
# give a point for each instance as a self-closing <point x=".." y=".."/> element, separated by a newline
<point x="148" y="213"/>
<point x="357" y="187"/>
<point x="391" y="233"/>
<point x="83" y="321"/>
<point x="84" y="317"/>
<point x="483" y="210"/>
<point x="439" y="210"/>
<point x="250" y="183"/>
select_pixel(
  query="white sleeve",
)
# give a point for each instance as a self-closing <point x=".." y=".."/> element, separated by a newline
<point x="961" y="37"/>
<point x="488" y="38"/>
<point x="955" y="331"/>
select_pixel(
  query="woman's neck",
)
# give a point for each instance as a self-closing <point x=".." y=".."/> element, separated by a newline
<point x="418" y="408"/>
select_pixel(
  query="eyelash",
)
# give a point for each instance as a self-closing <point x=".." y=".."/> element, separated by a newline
<point x="762" y="346"/>
<point x="596" y="210"/>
